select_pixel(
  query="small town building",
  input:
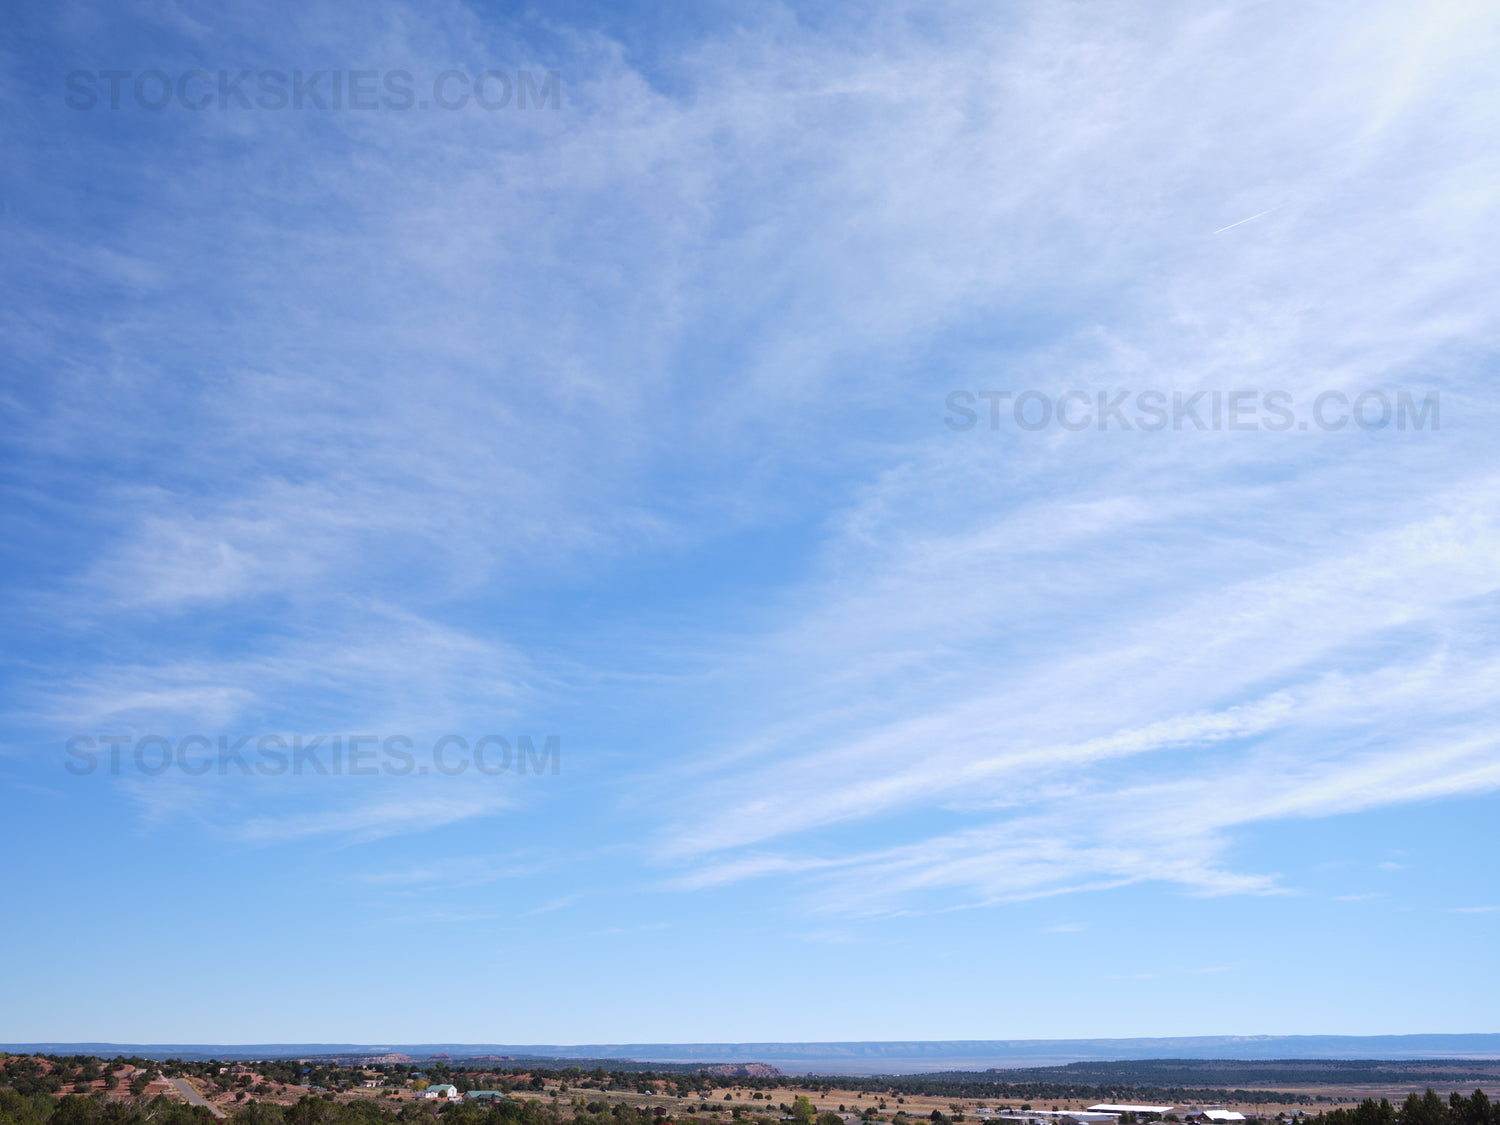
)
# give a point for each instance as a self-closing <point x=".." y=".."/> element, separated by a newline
<point x="1136" y="1109"/>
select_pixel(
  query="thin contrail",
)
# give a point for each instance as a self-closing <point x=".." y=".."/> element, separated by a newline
<point x="1252" y="218"/>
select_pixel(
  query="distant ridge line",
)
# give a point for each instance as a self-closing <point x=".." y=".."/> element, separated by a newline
<point x="865" y="1056"/>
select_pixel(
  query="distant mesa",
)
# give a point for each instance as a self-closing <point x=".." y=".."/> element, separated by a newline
<point x="868" y="1057"/>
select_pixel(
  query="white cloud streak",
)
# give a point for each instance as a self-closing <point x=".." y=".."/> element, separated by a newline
<point x="1016" y="665"/>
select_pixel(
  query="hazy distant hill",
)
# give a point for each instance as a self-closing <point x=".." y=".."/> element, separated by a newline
<point x="872" y="1057"/>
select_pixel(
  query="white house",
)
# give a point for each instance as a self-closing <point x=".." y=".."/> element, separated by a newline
<point x="1108" y="1108"/>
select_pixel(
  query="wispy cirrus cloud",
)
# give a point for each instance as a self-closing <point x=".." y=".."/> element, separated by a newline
<point x="375" y="820"/>
<point x="341" y="483"/>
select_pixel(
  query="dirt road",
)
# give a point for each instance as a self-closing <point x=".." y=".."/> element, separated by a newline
<point x="193" y="1097"/>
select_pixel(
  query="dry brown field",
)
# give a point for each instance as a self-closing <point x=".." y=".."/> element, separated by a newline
<point x="834" y="1098"/>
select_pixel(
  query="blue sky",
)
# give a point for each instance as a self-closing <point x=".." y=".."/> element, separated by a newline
<point x="628" y="421"/>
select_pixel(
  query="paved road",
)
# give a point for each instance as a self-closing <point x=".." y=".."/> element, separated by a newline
<point x="193" y="1097"/>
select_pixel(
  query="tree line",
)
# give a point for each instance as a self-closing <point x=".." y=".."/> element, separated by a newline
<point x="1424" y="1109"/>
